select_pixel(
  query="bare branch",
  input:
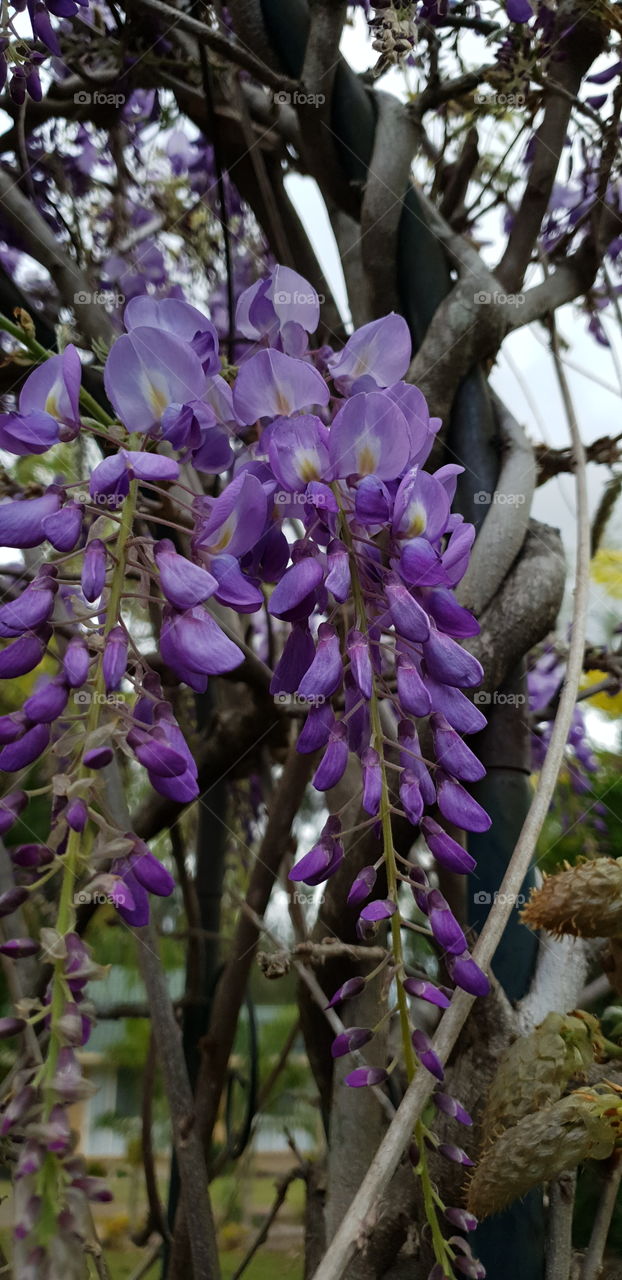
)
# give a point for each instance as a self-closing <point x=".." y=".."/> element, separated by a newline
<point x="559" y="1236"/>
<point x="598" y="1240"/>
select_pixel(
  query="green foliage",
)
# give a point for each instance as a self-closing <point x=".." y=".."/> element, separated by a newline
<point x="568" y="835"/>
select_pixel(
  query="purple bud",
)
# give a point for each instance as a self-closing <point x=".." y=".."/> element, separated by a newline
<point x="296" y="658"/>
<point x="451" y="1152"/>
<point x="21" y="656"/>
<point x="338" y="576"/>
<point x="372" y="781"/>
<point x="19" y="948"/>
<point x="11" y="1027"/>
<point x="426" y="991"/>
<point x="519" y="10"/>
<point x="460" y="1218"/>
<point x="451" y="1107"/>
<point x="97" y="757"/>
<point x="358" y="653"/>
<point x="454" y="755"/>
<point x="407" y="616"/>
<point x="379" y="909"/>
<point x="77" y="815"/>
<point x="11" y="728"/>
<point x="467" y="974"/>
<point x="411" y="690"/>
<point x="94" y="570"/>
<point x="11" y="900"/>
<point x="19" y="1105"/>
<point x="351" y="1038"/>
<point x="352" y="987"/>
<point x="316" y="729"/>
<point x="29" y="1213"/>
<point x="10" y="808"/>
<point x="420" y="886"/>
<point x="68" y="1082"/>
<point x="55" y="1132"/>
<point x="362" y="886"/>
<point x="459" y="807"/>
<point x="444" y="925"/>
<point x="155" y="754"/>
<point x="469" y="1266"/>
<point x="334" y="761"/>
<point x="150" y="872"/>
<point x="364" y="1076"/>
<point x="450" y="664"/>
<point x="438" y="1272"/>
<point x="325" y="673"/>
<point x="47" y="702"/>
<point x="446" y="850"/>
<point x="76" y="663"/>
<point x="411" y="797"/>
<point x="30" y="609"/>
<point x="31" y="855"/>
<point x="95" y="1189"/>
<point x="20" y="754"/>
<point x="414" y="1154"/>
<point x="70" y="1025"/>
<point x="427" y="1057"/>
<point x="31" y="1158"/>
<point x="323" y="859"/>
<point x="64" y="527"/>
<point x="114" y="660"/>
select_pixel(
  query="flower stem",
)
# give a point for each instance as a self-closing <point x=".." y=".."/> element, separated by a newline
<point x="76" y="840"/>
<point x="442" y="1251"/>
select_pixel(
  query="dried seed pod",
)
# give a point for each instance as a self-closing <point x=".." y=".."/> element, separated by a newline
<point x="541" y="1146"/>
<point x="585" y="901"/>
<point x="535" y="1070"/>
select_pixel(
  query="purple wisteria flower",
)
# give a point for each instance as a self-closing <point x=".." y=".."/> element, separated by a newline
<point x="277" y="514"/>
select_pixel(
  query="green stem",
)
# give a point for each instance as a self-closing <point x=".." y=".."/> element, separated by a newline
<point x="76" y="840"/>
<point x="442" y="1251"/>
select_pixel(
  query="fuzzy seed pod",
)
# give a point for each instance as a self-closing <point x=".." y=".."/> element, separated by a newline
<point x="535" y="1070"/>
<point x="585" y="901"/>
<point x="540" y="1147"/>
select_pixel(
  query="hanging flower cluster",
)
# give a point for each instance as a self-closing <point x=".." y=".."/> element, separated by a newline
<point x="329" y="520"/>
<point x="544" y="683"/>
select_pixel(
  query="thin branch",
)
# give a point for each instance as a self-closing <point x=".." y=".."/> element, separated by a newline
<point x="559" y="1235"/>
<point x="188" y="1146"/>
<point x="282" y="1188"/>
<point x="594" y="1257"/>
<point x="389" y="1153"/>
<point x="42" y="244"/>
<point x="318" y="995"/>
<point x="239" y="54"/>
